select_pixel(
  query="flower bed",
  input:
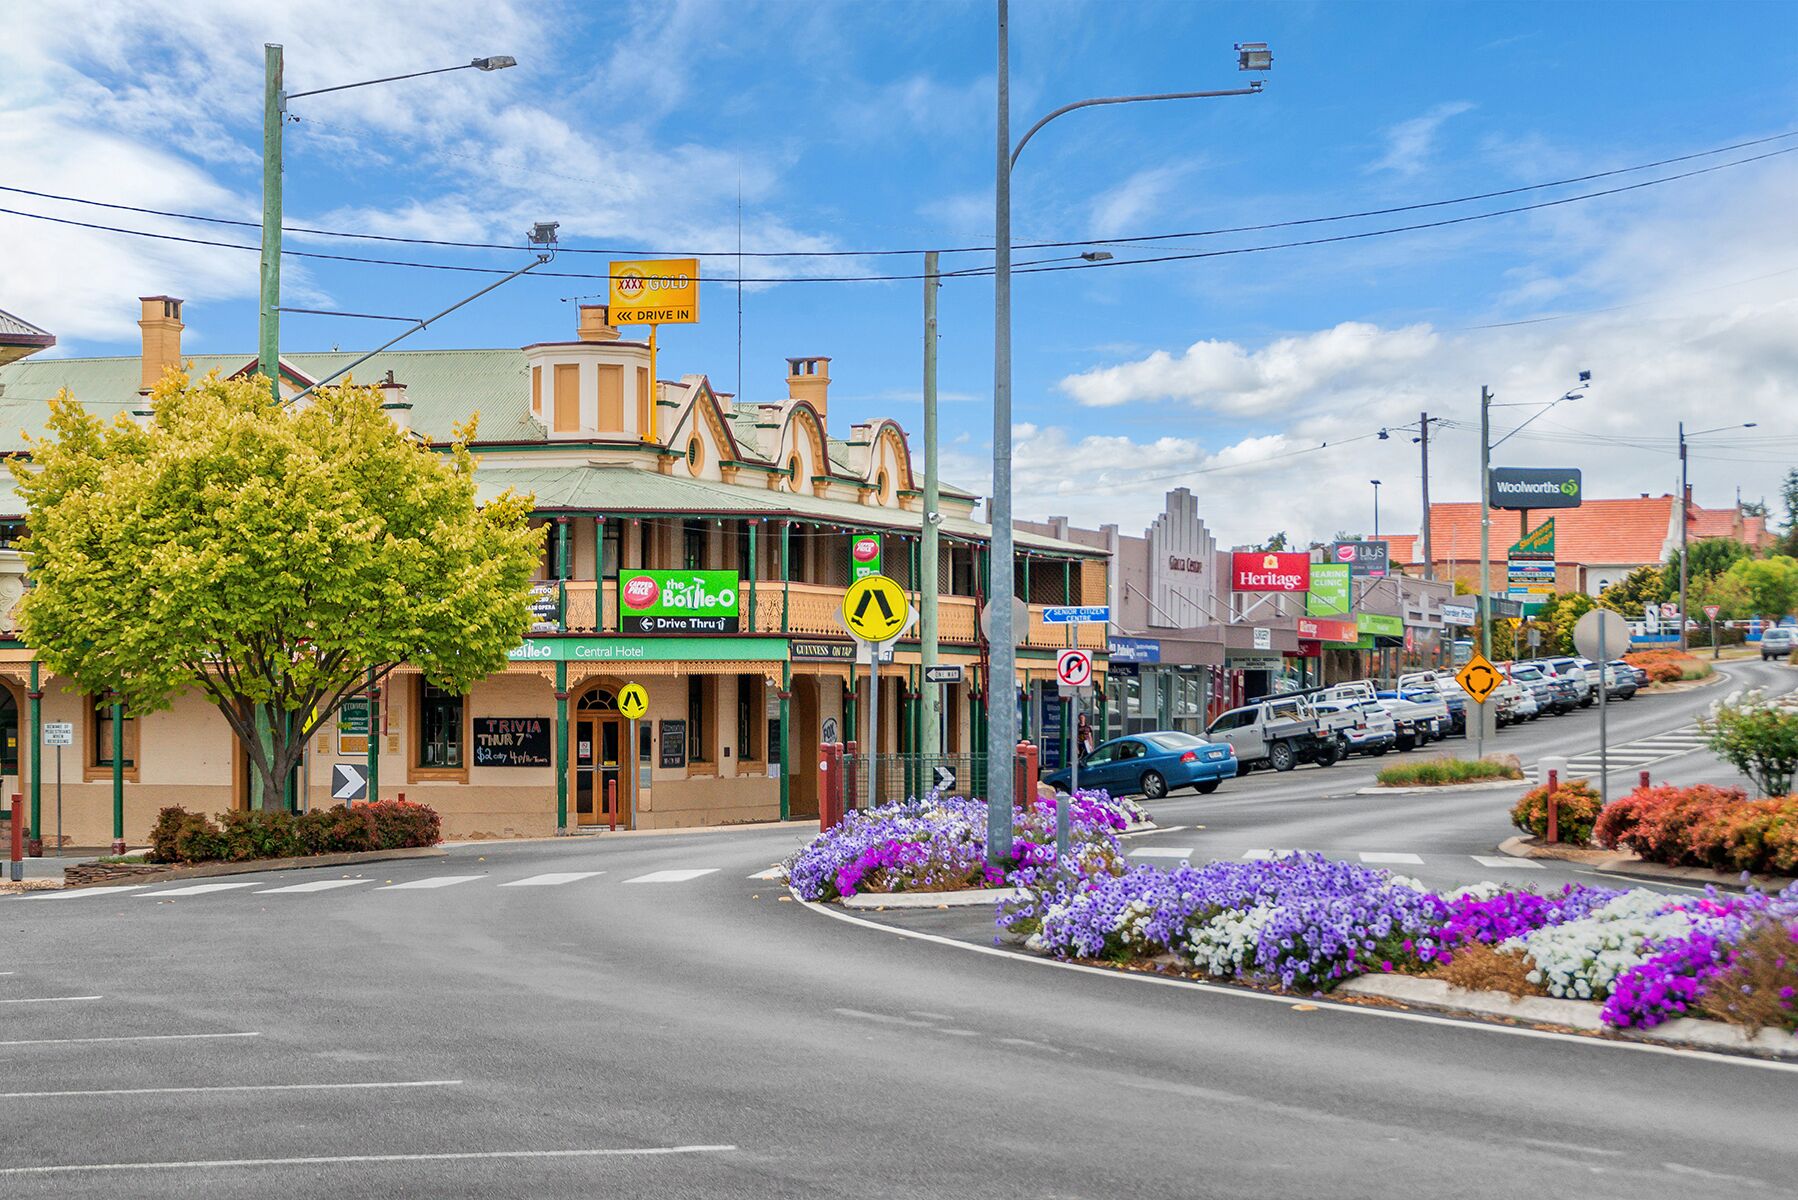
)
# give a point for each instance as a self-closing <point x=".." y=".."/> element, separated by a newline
<point x="1443" y="771"/>
<point x="938" y="844"/>
<point x="1668" y="666"/>
<point x="180" y="836"/>
<point x="1307" y="922"/>
<point x="1704" y="826"/>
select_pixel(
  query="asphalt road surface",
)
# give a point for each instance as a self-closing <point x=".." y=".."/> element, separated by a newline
<point x="642" y="1016"/>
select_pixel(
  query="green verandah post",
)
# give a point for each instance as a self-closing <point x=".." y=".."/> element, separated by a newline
<point x="374" y="736"/>
<point x="786" y="757"/>
<point x="118" y="777"/>
<point x="36" y="695"/>
<point x="562" y="746"/>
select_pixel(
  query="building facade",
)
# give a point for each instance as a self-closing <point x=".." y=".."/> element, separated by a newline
<point x="642" y="485"/>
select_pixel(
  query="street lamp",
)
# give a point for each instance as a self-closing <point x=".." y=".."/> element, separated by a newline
<point x="1685" y="520"/>
<point x="1002" y="715"/>
<point x="1376" y="508"/>
<point x="274" y="113"/>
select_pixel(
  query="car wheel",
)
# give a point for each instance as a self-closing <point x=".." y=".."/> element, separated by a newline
<point x="1154" y="787"/>
<point x="1330" y="754"/>
<point x="1206" y="788"/>
<point x="1586" y="703"/>
<point x="1281" y="756"/>
<point x="1378" y="750"/>
<point x="1404" y="742"/>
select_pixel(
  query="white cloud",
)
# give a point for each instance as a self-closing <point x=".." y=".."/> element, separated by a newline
<point x="1409" y="143"/>
<point x="1228" y="378"/>
<point x="1125" y="208"/>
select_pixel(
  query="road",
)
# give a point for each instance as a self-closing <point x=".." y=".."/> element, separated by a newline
<point x="642" y="1016"/>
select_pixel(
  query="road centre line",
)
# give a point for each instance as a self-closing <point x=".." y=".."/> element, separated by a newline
<point x="1323" y="1003"/>
<point x="236" y="1087"/>
<point x="47" y="999"/>
<point x="342" y="1159"/>
<point x="142" y="1037"/>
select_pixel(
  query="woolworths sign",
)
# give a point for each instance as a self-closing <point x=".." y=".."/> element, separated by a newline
<point x="1535" y="487"/>
<point x="678" y="601"/>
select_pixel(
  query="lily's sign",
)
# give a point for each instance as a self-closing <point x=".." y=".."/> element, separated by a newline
<point x="679" y="602"/>
<point x="1267" y="571"/>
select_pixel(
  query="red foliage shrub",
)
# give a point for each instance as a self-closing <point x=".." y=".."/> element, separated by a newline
<point x="1576" y="804"/>
<point x="401" y="823"/>
<point x="1705" y="826"/>
<point x="182" y="836"/>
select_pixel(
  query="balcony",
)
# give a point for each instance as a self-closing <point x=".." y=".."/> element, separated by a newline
<point x="812" y="610"/>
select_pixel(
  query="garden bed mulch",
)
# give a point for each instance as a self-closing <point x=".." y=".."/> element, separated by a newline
<point x="1625" y="863"/>
<point x="104" y="874"/>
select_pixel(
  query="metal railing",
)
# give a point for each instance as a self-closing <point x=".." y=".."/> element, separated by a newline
<point x="884" y="778"/>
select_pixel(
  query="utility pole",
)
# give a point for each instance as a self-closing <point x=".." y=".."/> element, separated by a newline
<point x="1002" y="676"/>
<point x="268" y="324"/>
<point x="1485" y="521"/>
<point x="931" y="740"/>
<point x="1429" y="559"/>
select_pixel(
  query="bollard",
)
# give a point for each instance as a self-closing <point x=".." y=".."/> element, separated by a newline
<point x="18" y="838"/>
<point x="830" y="785"/>
<point x="1644" y="783"/>
<point x="1554" y="813"/>
<point x="612" y="802"/>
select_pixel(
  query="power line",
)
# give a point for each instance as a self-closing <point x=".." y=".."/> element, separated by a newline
<point x="1027" y="268"/>
<point x="874" y="253"/>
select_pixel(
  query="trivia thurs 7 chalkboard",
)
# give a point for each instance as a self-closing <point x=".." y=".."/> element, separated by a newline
<point x="674" y="745"/>
<point x="512" y="742"/>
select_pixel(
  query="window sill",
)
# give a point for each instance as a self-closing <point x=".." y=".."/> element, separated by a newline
<point x="436" y="774"/>
<point x="702" y="770"/>
<point x="93" y="774"/>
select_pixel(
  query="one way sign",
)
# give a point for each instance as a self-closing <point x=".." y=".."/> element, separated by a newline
<point x="349" y="781"/>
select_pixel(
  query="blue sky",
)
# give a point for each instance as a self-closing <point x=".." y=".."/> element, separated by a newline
<point x="870" y="126"/>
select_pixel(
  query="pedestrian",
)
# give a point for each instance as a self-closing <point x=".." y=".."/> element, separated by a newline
<point x="1083" y="736"/>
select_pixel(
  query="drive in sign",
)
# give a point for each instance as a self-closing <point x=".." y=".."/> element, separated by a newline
<point x="679" y="602"/>
<point x="1270" y="571"/>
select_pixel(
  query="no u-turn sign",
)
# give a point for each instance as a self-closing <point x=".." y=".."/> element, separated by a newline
<point x="1074" y="668"/>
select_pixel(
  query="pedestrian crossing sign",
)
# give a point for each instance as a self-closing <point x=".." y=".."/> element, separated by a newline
<point x="875" y="609"/>
<point x="1479" y="678"/>
<point x="633" y="701"/>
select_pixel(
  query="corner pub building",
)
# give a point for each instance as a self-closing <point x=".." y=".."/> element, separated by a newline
<point x="631" y="476"/>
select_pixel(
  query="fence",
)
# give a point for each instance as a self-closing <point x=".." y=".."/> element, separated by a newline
<point x="847" y="777"/>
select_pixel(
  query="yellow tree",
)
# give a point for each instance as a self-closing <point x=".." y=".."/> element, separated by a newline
<point x="271" y="556"/>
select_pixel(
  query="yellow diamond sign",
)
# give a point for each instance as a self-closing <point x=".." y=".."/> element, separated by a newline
<point x="1479" y="678"/>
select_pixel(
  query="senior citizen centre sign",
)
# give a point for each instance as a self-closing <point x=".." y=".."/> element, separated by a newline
<point x="1270" y="571"/>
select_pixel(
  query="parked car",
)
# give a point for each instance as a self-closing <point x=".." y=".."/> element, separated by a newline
<point x="1443" y="684"/>
<point x="1565" y="694"/>
<point x="1574" y="669"/>
<point x="1369" y="731"/>
<point x="1414" y="716"/>
<point x="1280" y="731"/>
<point x="1152" y="765"/>
<point x="1519" y="701"/>
<point x="1532" y="680"/>
<point x="1619" y="682"/>
<point x="1640" y="676"/>
<point x="1778" y="642"/>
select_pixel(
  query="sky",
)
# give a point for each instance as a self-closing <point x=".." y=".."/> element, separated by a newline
<point x="814" y="135"/>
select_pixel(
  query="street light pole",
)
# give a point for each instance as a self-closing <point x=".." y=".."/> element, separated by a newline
<point x="1685" y="523"/>
<point x="1376" y="508"/>
<point x="1002" y="711"/>
<point x="1485" y="521"/>
<point x="931" y="739"/>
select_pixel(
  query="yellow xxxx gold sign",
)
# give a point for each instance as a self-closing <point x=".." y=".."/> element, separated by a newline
<point x="655" y="291"/>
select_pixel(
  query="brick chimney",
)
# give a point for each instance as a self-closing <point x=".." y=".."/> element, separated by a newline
<point x="162" y="328"/>
<point x="394" y="402"/>
<point x="596" y="324"/>
<point x="808" y="379"/>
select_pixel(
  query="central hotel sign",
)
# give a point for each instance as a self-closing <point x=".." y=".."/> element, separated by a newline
<point x="1270" y="571"/>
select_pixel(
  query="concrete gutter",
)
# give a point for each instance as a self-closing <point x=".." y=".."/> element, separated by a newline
<point x="1622" y="862"/>
<point x="1572" y="1014"/>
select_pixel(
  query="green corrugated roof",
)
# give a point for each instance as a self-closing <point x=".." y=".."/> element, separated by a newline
<point x="444" y="387"/>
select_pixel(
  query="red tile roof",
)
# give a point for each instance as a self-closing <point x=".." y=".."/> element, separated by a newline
<point x="1608" y="532"/>
<point x="1404" y="547"/>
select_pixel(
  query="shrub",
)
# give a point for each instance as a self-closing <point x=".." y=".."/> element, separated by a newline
<point x="1705" y="826"/>
<point x="1759" y="989"/>
<point x="1436" y="772"/>
<point x="1758" y="738"/>
<point x="242" y="836"/>
<point x="1577" y="806"/>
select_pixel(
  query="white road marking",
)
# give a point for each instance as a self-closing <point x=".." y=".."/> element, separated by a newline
<point x="434" y="881"/>
<point x="552" y="879"/>
<point x="1373" y="856"/>
<point x="1184" y="852"/>
<point x="317" y="885"/>
<point x="238" y="1087"/>
<point x="200" y="889"/>
<point x="142" y="1037"/>
<point x="74" y="893"/>
<point x="1323" y="1003"/>
<point x="208" y="1164"/>
<point x="770" y="873"/>
<point x="1500" y="862"/>
<point x="48" y="999"/>
<point x="675" y="876"/>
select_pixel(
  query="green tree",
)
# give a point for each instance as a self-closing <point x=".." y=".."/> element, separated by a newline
<point x="1647" y="584"/>
<point x="1788" y="492"/>
<point x="270" y="556"/>
<point x="1276" y="543"/>
<point x="1557" y="618"/>
<point x="1768" y="586"/>
<point x="1710" y="557"/>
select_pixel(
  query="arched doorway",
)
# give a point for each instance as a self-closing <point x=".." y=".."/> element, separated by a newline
<point x="600" y="763"/>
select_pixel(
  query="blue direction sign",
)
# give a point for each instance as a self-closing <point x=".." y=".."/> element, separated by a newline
<point x="1077" y="614"/>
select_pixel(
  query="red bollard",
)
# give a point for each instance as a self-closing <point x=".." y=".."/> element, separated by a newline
<point x="1024" y="776"/>
<point x="830" y="785"/>
<point x="1554" y="807"/>
<point x="612" y="802"/>
<point x="1645" y="783"/>
<point x="18" y="838"/>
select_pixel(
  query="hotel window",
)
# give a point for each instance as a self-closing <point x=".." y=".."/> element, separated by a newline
<point x="439" y="728"/>
<point x="693" y="537"/>
<point x="749" y="716"/>
<point x="702" y="691"/>
<point x="100" y="762"/>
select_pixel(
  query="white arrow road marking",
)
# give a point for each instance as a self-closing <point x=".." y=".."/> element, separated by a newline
<point x="552" y="879"/>
<point x="676" y="876"/>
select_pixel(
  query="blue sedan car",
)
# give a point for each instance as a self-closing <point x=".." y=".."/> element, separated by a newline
<point x="1152" y="765"/>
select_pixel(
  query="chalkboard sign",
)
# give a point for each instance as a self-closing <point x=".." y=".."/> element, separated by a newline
<point x="512" y="742"/>
<point x="545" y="599"/>
<point x="674" y="745"/>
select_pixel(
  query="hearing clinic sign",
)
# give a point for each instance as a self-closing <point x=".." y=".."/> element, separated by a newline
<point x="1270" y="571"/>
